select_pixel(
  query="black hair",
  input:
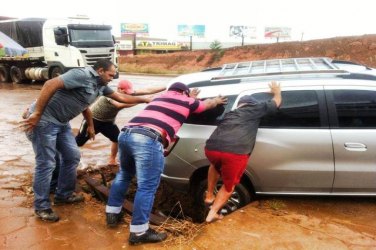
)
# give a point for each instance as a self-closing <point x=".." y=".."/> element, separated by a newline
<point x="103" y="63"/>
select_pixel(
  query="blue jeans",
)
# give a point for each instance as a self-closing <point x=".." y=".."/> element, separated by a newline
<point x="55" y="173"/>
<point x="142" y="156"/>
<point x="50" y="140"/>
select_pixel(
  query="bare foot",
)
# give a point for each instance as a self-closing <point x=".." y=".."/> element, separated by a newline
<point x="209" y="198"/>
<point x="112" y="163"/>
<point x="213" y="216"/>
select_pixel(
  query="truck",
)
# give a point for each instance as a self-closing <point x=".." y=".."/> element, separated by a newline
<point x="54" y="46"/>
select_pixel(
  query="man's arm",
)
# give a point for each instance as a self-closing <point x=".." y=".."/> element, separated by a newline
<point x="275" y="89"/>
<point x="120" y="105"/>
<point x="214" y="102"/>
<point x="88" y="115"/>
<point x="149" y="91"/>
<point x="128" y="98"/>
<point x="48" y="90"/>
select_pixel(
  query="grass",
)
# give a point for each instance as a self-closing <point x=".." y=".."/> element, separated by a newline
<point x="276" y="204"/>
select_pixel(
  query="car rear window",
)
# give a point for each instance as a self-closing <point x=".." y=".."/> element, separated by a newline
<point x="212" y="116"/>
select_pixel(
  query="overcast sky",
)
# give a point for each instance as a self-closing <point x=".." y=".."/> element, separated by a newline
<point x="307" y="19"/>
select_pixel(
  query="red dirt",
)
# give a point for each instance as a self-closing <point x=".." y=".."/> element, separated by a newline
<point x="360" y="49"/>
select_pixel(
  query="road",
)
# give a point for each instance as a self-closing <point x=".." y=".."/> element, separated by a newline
<point x="270" y="223"/>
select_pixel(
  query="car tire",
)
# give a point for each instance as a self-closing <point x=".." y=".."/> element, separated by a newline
<point x="239" y="198"/>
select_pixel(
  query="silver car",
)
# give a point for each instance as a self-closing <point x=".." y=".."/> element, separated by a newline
<point x="322" y="141"/>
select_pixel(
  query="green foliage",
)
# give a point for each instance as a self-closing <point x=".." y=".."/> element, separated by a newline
<point x="216" y="45"/>
<point x="216" y="56"/>
<point x="276" y="204"/>
<point x="200" y="58"/>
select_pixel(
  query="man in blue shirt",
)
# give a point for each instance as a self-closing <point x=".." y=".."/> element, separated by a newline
<point x="61" y="99"/>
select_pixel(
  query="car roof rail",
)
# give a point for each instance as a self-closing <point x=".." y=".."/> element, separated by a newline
<point x="278" y="67"/>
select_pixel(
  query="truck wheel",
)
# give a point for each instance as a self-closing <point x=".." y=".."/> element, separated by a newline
<point x="4" y="73"/>
<point x="18" y="75"/>
<point x="56" y="71"/>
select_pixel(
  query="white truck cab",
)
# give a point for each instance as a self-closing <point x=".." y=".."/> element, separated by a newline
<point x="54" y="46"/>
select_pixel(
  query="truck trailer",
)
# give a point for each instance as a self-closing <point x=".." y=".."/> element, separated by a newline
<point x="53" y="47"/>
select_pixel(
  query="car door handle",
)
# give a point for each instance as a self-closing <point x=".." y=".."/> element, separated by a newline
<point x="355" y="146"/>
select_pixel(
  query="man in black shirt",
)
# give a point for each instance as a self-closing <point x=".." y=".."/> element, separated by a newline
<point x="230" y="145"/>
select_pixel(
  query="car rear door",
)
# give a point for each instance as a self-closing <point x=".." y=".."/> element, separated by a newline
<point x="293" y="152"/>
<point x="352" y="112"/>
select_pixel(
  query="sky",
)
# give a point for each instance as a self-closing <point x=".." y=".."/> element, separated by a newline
<point x="307" y="19"/>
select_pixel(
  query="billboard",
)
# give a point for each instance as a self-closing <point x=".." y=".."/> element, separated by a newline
<point x="134" y="28"/>
<point x="243" y="31"/>
<point x="191" y="30"/>
<point x="161" y="45"/>
<point x="277" y="32"/>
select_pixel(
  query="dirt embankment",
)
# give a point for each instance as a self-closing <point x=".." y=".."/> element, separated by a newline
<point x="360" y="49"/>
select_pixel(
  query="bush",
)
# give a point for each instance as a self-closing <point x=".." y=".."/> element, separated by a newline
<point x="200" y="58"/>
<point x="216" y="45"/>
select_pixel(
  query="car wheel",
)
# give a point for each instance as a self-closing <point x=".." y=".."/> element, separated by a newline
<point x="239" y="198"/>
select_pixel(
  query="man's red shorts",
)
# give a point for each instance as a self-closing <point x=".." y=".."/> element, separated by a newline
<point x="230" y="166"/>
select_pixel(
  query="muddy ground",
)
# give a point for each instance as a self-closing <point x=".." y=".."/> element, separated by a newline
<point x="269" y="223"/>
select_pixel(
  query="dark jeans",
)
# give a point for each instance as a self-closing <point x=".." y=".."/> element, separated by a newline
<point x="108" y="129"/>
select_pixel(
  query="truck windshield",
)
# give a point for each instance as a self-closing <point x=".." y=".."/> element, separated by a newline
<point x="85" y="38"/>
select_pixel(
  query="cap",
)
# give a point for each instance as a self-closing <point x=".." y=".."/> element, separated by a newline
<point x="178" y="86"/>
<point x="247" y="99"/>
<point x="126" y="86"/>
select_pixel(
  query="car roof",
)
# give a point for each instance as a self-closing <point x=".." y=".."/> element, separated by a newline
<point x="278" y="69"/>
<point x="315" y="83"/>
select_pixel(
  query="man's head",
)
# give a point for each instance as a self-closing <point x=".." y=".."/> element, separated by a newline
<point x="247" y="100"/>
<point x="179" y="87"/>
<point x="106" y="70"/>
<point x="126" y="87"/>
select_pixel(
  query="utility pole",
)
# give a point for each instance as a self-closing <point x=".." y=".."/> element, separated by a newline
<point x="190" y="42"/>
<point x="242" y="39"/>
<point x="134" y="43"/>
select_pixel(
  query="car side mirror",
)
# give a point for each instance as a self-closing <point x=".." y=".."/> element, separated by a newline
<point x="61" y="36"/>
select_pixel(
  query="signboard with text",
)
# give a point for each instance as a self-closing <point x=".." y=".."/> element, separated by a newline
<point x="134" y="28"/>
<point x="191" y="30"/>
<point x="161" y="45"/>
<point x="277" y="32"/>
<point x="243" y="31"/>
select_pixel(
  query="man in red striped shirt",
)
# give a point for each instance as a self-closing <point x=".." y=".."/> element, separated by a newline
<point x="141" y="145"/>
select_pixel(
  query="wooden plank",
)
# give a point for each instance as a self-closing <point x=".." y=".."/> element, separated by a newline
<point x="103" y="193"/>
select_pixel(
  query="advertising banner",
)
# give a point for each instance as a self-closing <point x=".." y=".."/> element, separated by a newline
<point x="124" y="45"/>
<point x="277" y="32"/>
<point x="191" y="30"/>
<point x="134" y="28"/>
<point x="161" y="45"/>
<point x="243" y="31"/>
